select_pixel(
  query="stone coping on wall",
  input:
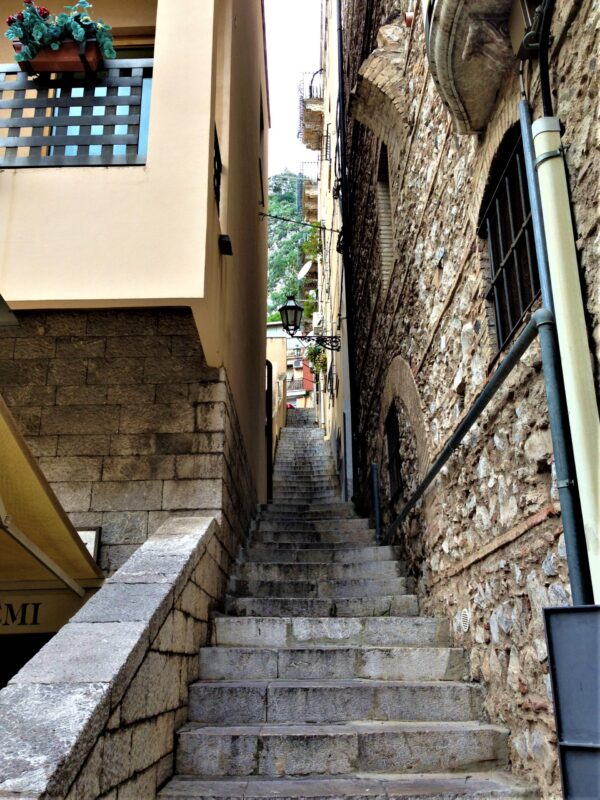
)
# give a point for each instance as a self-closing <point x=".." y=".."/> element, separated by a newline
<point x="97" y="707"/>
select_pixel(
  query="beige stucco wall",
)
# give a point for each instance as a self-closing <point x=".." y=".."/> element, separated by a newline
<point x="332" y="301"/>
<point x="231" y="317"/>
<point x="277" y="355"/>
<point x="121" y="234"/>
<point x="140" y="236"/>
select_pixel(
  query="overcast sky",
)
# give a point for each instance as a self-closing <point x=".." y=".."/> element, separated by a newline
<point x="293" y="48"/>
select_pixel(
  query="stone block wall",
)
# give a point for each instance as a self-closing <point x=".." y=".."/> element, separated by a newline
<point x="487" y="537"/>
<point x="94" y="713"/>
<point x="127" y="421"/>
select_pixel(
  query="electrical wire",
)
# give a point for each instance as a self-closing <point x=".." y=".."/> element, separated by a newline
<point x="314" y="225"/>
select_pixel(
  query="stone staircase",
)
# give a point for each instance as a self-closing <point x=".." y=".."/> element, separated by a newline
<point x="323" y="681"/>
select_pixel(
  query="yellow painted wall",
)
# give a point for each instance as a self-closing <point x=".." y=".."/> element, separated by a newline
<point x="331" y="296"/>
<point x="231" y="318"/>
<point x="127" y="236"/>
<point x="115" y="236"/>
<point x="277" y="354"/>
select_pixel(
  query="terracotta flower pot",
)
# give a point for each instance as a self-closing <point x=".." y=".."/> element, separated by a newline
<point x="70" y="57"/>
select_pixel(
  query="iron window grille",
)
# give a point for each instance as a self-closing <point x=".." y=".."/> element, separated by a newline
<point x="507" y="226"/>
<point x="392" y="435"/>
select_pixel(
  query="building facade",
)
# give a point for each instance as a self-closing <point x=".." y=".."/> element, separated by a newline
<point x="129" y="309"/>
<point x="134" y="259"/>
<point x="427" y="178"/>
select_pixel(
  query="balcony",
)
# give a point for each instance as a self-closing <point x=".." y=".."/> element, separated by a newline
<point x="309" y="190"/>
<point x="311" y="110"/>
<point x="70" y="120"/>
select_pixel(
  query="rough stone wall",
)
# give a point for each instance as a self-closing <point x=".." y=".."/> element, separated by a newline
<point x="94" y="713"/>
<point x="126" y="420"/>
<point x="488" y="537"/>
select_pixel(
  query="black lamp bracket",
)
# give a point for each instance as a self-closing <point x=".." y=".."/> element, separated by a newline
<point x="328" y="342"/>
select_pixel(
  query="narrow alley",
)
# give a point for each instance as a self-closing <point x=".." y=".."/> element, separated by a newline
<point x="322" y="680"/>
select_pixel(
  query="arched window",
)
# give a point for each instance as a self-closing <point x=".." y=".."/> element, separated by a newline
<point x="505" y="223"/>
<point x="384" y="217"/>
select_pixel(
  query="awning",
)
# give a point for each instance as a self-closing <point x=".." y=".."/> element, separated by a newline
<point x="46" y="572"/>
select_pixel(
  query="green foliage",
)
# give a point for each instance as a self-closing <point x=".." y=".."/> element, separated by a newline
<point x="316" y="356"/>
<point x="290" y="246"/>
<point x="35" y="27"/>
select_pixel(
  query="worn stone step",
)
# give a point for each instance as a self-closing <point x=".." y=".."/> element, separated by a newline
<point x="359" y="587"/>
<point x="297" y="541"/>
<point x="307" y="537"/>
<point x="294" y="475"/>
<point x="289" y="459"/>
<point x="277" y="554"/>
<point x="291" y="473"/>
<point x="333" y="663"/>
<point x="294" y="471"/>
<point x="300" y="495"/>
<point x="218" y="702"/>
<point x="295" y="750"/>
<point x="366" y="786"/>
<point x="309" y="511"/>
<point x="293" y="468"/>
<point x="306" y="481"/>
<point x="398" y="631"/>
<point x="301" y="524"/>
<point x="253" y="571"/>
<point x="390" y="605"/>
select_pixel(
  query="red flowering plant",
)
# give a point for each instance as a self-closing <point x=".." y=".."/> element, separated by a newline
<point x="35" y="28"/>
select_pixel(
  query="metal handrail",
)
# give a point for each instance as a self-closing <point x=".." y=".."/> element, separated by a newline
<point x="502" y="372"/>
<point x="542" y="324"/>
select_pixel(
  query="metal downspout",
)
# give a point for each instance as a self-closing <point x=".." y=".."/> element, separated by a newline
<point x="571" y="328"/>
<point x="579" y="567"/>
<point x="346" y="252"/>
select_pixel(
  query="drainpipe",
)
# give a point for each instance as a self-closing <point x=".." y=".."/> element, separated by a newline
<point x="572" y="331"/>
<point x="348" y="266"/>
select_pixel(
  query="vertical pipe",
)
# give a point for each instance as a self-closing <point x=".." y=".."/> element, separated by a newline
<point x="345" y="456"/>
<point x="269" y="430"/>
<point x="535" y="203"/>
<point x="346" y="252"/>
<point x="375" y="501"/>
<point x="579" y="566"/>
<point x="572" y="331"/>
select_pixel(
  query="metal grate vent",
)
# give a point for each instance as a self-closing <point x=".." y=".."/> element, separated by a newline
<point x="465" y="620"/>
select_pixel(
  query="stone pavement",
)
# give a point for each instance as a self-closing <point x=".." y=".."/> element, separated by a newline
<point x="323" y="681"/>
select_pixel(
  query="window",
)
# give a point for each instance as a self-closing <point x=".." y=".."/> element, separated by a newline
<point x="507" y="226"/>
<point x="392" y="435"/>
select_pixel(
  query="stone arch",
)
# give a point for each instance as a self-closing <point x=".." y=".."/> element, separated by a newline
<point x="378" y="99"/>
<point x="506" y="117"/>
<point x="400" y="386"/>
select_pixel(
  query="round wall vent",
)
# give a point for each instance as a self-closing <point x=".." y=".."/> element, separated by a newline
<point x="465" y="620"/>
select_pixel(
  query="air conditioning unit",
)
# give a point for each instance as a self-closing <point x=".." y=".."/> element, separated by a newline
<point x="298" y="363"/>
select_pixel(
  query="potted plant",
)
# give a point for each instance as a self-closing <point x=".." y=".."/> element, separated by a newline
<point x="67" y="42"/>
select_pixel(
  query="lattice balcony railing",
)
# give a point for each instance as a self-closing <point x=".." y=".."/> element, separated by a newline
<point x="70" y="120"/>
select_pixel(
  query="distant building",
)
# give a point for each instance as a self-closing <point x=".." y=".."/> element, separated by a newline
<point x="422" y="170"/>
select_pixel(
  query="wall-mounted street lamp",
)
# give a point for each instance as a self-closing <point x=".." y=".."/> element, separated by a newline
<point x="291" y="317"/>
